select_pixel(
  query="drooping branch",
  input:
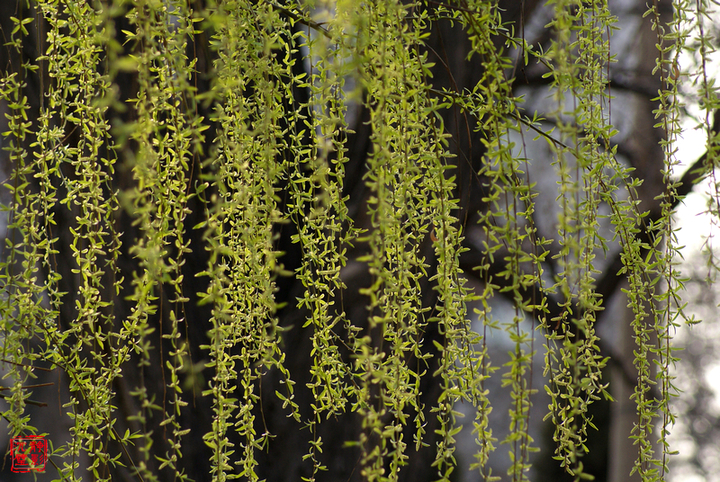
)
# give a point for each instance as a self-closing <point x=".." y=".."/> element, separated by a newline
<point x="606" y="284"/>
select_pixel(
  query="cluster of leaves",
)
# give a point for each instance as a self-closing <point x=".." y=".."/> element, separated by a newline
<point x="263" y="134"/>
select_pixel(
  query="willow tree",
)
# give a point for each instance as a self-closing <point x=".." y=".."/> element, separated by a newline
<point x="247" y="239"/>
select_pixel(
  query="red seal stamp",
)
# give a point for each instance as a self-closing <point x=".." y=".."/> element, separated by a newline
<point x="28" y="453"/>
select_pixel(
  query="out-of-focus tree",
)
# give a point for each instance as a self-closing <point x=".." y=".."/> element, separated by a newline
<point x="245" y="238"/>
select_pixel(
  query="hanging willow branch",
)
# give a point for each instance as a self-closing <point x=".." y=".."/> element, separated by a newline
<point x="254" y="224"/>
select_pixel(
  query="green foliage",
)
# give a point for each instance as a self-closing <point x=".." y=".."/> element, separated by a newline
<point x="268" y="157"/>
